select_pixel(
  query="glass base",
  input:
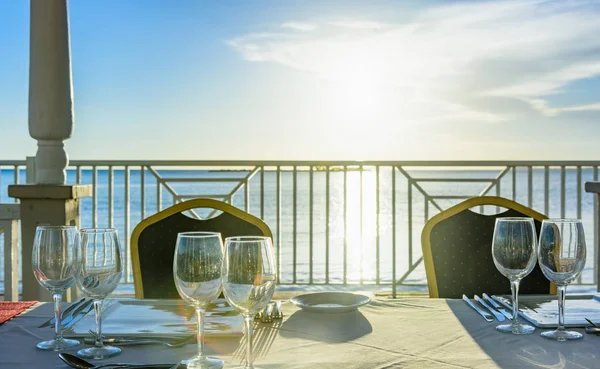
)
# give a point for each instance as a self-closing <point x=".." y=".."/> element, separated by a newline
<point x="518" y="329"/>
<point x="562" y="335"/>
<point x="99" y="353"/>
<point x="203" y="363"/>
<point x="57" y="345"/>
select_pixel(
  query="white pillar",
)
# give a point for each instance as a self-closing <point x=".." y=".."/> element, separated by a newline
<point x="48" y="200"/>
<point x="50" y="89"/>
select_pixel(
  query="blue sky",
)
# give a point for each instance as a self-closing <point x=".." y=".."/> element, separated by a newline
<point x="319" y="80"/>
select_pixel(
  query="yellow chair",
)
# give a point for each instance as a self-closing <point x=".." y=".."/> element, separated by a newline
<point x="457" y="251"/>
<point x="153" y="241"/>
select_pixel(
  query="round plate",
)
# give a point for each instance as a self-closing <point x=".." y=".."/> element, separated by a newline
<point x="330" y="302"/>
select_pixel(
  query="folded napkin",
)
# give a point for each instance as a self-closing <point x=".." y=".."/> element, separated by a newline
<point x="9" y="310"/>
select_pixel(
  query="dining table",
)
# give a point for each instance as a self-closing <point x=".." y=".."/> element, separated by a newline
<point x="410" y="332"/>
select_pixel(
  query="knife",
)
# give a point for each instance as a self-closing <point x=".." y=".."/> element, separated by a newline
<point x="78" y="313"/>
<point x="50" y="322"/>
<point x="496" y="314"/>
<point x="497" y="306"/>
<point x="485" y="315"/>
<point x="124" y="341"/>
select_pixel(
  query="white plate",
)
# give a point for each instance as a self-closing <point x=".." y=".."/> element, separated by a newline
<point x="330" y="302"/>
<point x="158" y="318"/>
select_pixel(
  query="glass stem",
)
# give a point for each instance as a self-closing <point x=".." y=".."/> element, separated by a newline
<point x="98" y="311"/>
<point x="561" y="291"/>
<point x="514" y="287"/>
<point x="57" y="298"/>
<point x="200" y="334"/>
<point x="249" y="320"/>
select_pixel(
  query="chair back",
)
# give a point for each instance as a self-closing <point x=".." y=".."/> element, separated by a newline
<point x="457" y="251"/>
<point x="153" y="241"/>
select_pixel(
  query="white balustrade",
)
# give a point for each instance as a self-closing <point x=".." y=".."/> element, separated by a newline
<point x="384" y="205"/>
<point x="9" y="225"/>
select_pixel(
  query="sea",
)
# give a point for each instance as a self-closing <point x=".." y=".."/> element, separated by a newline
<point x="366" y="202"/>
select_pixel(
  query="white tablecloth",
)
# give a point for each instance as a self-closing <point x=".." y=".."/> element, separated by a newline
<point x="415" y="333"/>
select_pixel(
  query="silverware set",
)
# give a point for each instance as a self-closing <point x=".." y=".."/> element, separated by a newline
<point x="79" y="308"/>
<point x="270" y="313"/>
<point x="79" y="363"/>
<point x="488" y="308"/>
<point x="72" y="313"/>
<point x="169" y="341"/>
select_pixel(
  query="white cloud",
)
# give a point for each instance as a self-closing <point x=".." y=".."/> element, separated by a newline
<point x="359" y="24"/>
<point x="542" y="106"/>
<point x="299" y="26"/>
<point x="462" y="55"/>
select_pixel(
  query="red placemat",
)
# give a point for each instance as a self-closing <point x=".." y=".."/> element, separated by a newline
<point x="9" y="310"/>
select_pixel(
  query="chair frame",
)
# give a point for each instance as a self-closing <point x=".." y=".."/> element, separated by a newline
<point x="465" y="205"/>
<point x="179" y="208"/>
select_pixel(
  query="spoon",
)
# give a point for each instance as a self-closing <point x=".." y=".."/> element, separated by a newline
<point x="78" y="363"/>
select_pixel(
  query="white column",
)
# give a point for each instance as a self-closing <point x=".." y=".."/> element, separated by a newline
<point x="50" y="89"/>
<point x="48" y="200"/>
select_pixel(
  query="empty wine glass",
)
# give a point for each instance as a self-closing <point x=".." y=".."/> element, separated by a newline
<point x="54" y="259"/>
<point x="562" y="258"/>
<point x="98" y="275"/>
<point x="513" y="250"/>
<point x="197" y="274"/>
<point x="249" y="277"/>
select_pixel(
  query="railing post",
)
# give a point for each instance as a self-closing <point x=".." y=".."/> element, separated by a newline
<point x="377" y="230"/>
<point x="295" y="223"/>
<point x="278" y="205"/>
<point x="594" y="187"/>
<point x="30" y="169"/>
<point x="327" y="197"/>
<point x="394" y="231"/>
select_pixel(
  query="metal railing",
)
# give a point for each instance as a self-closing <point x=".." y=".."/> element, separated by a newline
<point x="342" y="222"/>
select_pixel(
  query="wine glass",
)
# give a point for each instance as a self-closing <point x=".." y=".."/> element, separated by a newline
<point x="99" y="272"/>
<point x="249" y="277"/>
<point x="562" y="258"/>
<point x="54" y="259"/>
<point x="513" y="250"/>
<point x="197" y="274"/>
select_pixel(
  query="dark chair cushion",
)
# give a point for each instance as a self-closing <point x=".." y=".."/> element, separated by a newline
<point x="461" y="247"/>
<point x="156" y="247"/>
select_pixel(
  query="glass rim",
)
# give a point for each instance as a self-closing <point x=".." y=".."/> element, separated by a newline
<point x="562" y="220"/>
<point x="198" y="234"/>
<point x="514" y="219"/>
<point x="98" y="230"/>
<point x="48" y="227"/>
<point x="247" y="238"/>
